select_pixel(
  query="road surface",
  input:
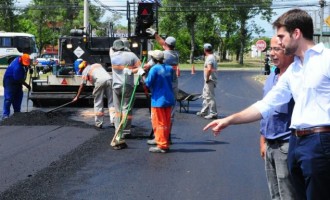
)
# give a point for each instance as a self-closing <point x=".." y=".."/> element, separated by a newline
<point x="84" y="166"/>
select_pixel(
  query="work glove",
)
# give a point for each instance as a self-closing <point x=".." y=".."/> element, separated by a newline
<point x="31" y="71"/>
<point x="141" y="72"/>
<point x="127" y="71"/>
<point x="151" y="31"/>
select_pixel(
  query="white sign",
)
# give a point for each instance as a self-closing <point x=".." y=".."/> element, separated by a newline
<point x="78" y="52"/>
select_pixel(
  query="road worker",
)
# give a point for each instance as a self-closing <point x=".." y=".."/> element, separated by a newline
<point x="13" y="80"/>
<point x="102" y="82"/>
<point x="209" y="109"/>
<point x="159" y="81"/>
<point x="171" y="57"/>
<point x="124" y="65"/>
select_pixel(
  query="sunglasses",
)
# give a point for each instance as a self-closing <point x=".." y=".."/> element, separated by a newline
<point x="276" y="49"/>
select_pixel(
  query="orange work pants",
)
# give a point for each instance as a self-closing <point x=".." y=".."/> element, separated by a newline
<point x="161" y="124"/>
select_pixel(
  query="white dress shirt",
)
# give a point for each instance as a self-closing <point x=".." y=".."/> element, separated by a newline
<point x="309" y="84"/>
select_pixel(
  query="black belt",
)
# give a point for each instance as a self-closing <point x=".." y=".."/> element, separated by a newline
<point x="309" y="131"/>
<point x="276" y="141"/>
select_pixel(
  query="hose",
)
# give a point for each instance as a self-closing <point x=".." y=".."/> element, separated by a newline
<point x="123" y="122"/>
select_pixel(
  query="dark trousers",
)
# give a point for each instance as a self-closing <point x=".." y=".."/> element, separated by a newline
<point x="13" y="95"/>
<point x="309" y="165"/>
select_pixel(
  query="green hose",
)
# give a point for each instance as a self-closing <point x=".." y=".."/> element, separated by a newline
<point x="129" y="104"/>
<point x="122" y="94"/>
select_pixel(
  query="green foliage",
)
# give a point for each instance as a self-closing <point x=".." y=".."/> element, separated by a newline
<point x="8" y="18"/>
<point x="191" y="29"/>
<point x="242" y="12"/>
<point x="48" y="19"/>
<point x="183" y="44"/>
<point x="224" y="24"/>
<point x="227" y="24"/>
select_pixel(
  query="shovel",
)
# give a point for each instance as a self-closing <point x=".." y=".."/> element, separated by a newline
<point x="61" y="106"/>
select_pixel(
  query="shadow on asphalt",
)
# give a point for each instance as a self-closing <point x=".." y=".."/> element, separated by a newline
<point x="190" y="150"/>
<point x="208" y="142"/>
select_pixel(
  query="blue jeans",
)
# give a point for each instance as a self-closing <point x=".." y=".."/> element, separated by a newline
<point x="280" y="182"/>
<point x="309" y="165"/>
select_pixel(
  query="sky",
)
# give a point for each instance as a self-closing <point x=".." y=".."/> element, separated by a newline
<point x="279" y="6"/>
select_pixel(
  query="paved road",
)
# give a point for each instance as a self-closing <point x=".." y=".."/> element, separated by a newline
<point x="199" y="165"/>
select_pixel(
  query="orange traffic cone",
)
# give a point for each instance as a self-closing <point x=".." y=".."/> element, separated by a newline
<point x="178" y="71"/>
<point x="193" y="69"/>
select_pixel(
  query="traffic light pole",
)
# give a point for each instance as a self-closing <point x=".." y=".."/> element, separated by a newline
<point x="86" y="15"/>
<point x="144" y="42"/>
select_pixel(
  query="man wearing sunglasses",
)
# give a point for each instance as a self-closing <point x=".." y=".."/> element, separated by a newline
<point x="275" y="131"/>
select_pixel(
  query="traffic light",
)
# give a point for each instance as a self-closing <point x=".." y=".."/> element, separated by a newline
<point x="145" y="18"/>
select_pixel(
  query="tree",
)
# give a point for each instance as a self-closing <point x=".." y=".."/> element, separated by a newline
<point x="220" y="20"/>
<point x="207" y="31"/>
<point x="197" y="20"/>
<point x="8" y="19"/>
<point x="227" y="29"/>
<point x="215" y="21"/>
<point x="191" y="21"/>
<point x="184" y="20"/>
<point x="114" y="20"/>
<point x="244" y="11"/>
<point x="48" y="19"/>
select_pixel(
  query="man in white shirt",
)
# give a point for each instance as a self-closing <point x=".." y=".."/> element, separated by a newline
<point x="307" y="80"/>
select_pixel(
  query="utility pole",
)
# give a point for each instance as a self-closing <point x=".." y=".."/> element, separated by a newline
<point x="86" y="15"/>
<point x="322" y="4"/>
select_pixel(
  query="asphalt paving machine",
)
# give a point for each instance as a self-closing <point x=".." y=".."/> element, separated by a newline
<point x="60" y="84"/>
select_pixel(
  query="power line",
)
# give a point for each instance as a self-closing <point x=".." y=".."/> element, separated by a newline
<point x="191" y="7"/>
<point x="105" y="6"/>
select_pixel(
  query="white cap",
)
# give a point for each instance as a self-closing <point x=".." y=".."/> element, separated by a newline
<point x="157" y="54"/>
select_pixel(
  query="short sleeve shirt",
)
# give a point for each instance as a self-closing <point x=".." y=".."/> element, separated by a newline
<point x="211" y="60"/>
<point x="119" y="61"/>
<point x="94" y="73"/>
